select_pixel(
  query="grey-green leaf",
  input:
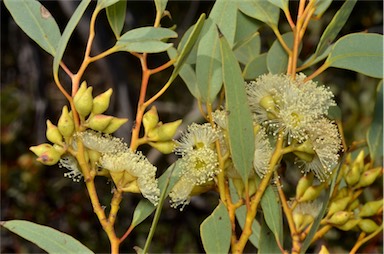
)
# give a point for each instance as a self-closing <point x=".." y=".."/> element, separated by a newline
<point x="282" y="4"/>
<point x="261" y="10"/>
<point x="267" y="243"/>
<point x="101" y="4"/>
<point x="246" y="27"/>
<point x="335" y="26"/>
<point x="360" y="52"/>
<point x="321" y="7"/>
<point x="277" y="58"/>
<point x="215" y="231"/>
<point x="73" y="21"/>
<point x="224" y="14"/>
<point x="116" y="17"/>
<point x="37" y="22"/>
<point x="208" y="64"/>
<point x="160" y="5"/>
<point x="48" y="239"/>
<point x="240" y="126"/>
<point x="256" y="67"/>
<point x="375" y="131"/>
<point x="248" y="49"/>
<point x="241" y="216"/>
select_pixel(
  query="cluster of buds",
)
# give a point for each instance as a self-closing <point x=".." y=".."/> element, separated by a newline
<point x="157" y="134"/>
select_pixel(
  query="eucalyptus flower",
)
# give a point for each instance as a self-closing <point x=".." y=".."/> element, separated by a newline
<point x="102" y="143"/>
<point x="69" y="162"/>
<point x="263" y="153"/>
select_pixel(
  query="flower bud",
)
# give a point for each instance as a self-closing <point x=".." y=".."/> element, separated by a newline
<point x="339" y="205"/>
<point x="323" y="250"/>
<point x="165" y="147"/>
<point x="53" y="134"/>
<point x="94" y="156"/>
<point x="349" y="224"/>
<point x="304" y="183"/>
<point x="352" y="206"/>
<point x="343" y="192"/>
<point x="101" y="102"/>
<point x="368" y="225"/>
<point x="359" y="161"/>
<point x="371" y="208"/>
<point x="307" y="220"/>
<point x="269" y="105"/>
<point x="312" y="193"/>
<point x="99" y="122"/>
<point x="353" y="175"/>
<point x="150" y="119"/>
<point x="47" y="154"/>
<point x="124" y="181"/>
<point x="115" y="124"/>
<point x="83" y="100"/>
<point x="298" y="219"/>
<point x="164" y="132"/>
<point x="368" y="177"/>
<point x="65" y="124"/>
<point x="340" y="217"/>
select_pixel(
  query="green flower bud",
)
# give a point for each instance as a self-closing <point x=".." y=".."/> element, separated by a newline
<point x="307" y="220"/>
<point x="47" y="154"/>
<point x="124" y="181"/>
<point x="304" y="183"/>
<point x="101" y="102"/>
<point x="349" y="224"/>
<point x="99" y="122"/>
<point x="165" y="147"/>
<point x="353" y="175"/>
<point x="115" y="124"/>
<point x="355" y="204"/>
<point x="368" y="177"/>
<point x="343" y="192"/>
<point x="94" y="156"/>
<point x="359" y="161"/>
<point x="298" y="219"/>
<point x="268" y="103"/>
<point x="323" y="250"/>
<point x="339" y="205"/>
<point x="59" y="148"/>
<point x="340" y="217"/>
<point x="83" y="100"/>
<point x="150" y="119"/>
<point x="368" y="226"/>
<point x="164" y="132"/>
<point x="53" y="134"/>
<point x="312" y="193"/>
<point x="65" y="124"/>
<point x="371" y="208"/>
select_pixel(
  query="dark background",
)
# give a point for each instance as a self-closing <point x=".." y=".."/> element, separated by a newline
<point x="30" y="191"/>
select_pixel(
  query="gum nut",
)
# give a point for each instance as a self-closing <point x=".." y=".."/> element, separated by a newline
<point x="65" y="124"/>
<point x="163" y="147"/>
<point x="115" y="124"/>
<point x="49" y="157"/>
<point x="371" y="208"/>
<point x="99" y="122"/>
<point x="40" y="149"/>
<point x="101" y="102"/>
<point x="84" y="102"/>
<point x="368" y="225"/>
<point x="339" y="205"/>
<point x="53" y="134"/>
<point x="304" y="183"/>
<point x="150" y="119"/>
<point x="368" y="177"/>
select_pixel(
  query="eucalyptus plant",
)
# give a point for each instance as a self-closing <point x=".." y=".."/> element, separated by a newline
<point x="267" y="118"/>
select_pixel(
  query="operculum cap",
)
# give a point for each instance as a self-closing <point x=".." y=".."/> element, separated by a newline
<point x="150" y="119"/>
<point x="115" y="124"/>
<point x="66" y="125"/>
<point x="101" y="102"/>
<point x="83" y="100"/>
<point x="53" y="134"/>
<point x="165" y="147"/>
<point x="99" y="122"/>
<point x="46" y="153"/>
<point x="164" y="132"/>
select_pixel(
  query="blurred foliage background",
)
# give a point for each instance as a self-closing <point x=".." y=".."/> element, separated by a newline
<point x="30" y="191"/>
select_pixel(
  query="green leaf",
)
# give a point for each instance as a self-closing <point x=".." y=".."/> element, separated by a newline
<point x="313" y="59"/>
<point x="145" y="39"/>
<point x="321" y="7"/>
<point x="277" y="58"/>
<point x="208" y="64"/>
<point x="73" y="21"/>
<point x="116" y="17"/>
<point x="360" y="52"/>
<point x="247" y="50"/>
<point x="224" y="14"/>
<point x="215" y="231"/>
<point x="101" y="4"/>
<point x="272" y="213"/>
<point x="246" y="27"/>
<point x="240" y="126"/>
<point x="261" y="10"/>
<point x="334" y="113"/>
<point x="167" y="180"/>
<point x="282" y="4"/>
<point x="241" y="215"/>
<point x="161" y="5"/>
<point x="48" y="239"/>
<point x="36" y="21"/>
<point x="256" y="67"/>
<point x="375" y="131"/>
<point x="267" y="243"/>
<point x="335" y="26"/>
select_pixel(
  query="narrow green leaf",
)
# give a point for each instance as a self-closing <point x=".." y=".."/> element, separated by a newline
<point x="37" y="22"/>
<point x="256" y="67"/>
<point x="335" y="26"/>
<point x="360" y="52"/>
<point x="277" y="58"/>
<point x="241" y="215"/>
<point x="48" y="239"/>
<point x="321" y="7"/>
<point x="272" y="213"/>
<point x="282" y="4"/>
<point x="208" y="64"/>
<point x="375" y="131"/>
<point x="148" y="46"/>
<point x="224" y="14"/>
<point x="247" y="50"/>
<point x="334" y="113"/>
<point x="261" y="10"/>
<point x="246" y="27"/>
<point x="313" y="59"/>
<point x="267" y="243"/>
<point x="101" y="4"/>
<point x="161" y="5"/>
<point x="147" y="33"/>
<point x="240" y="126"/>
<point x="116" y="17"/>
<point x="145" y="208"/>
<point x="215" y="231"/>
<point x="74" y="20"/>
